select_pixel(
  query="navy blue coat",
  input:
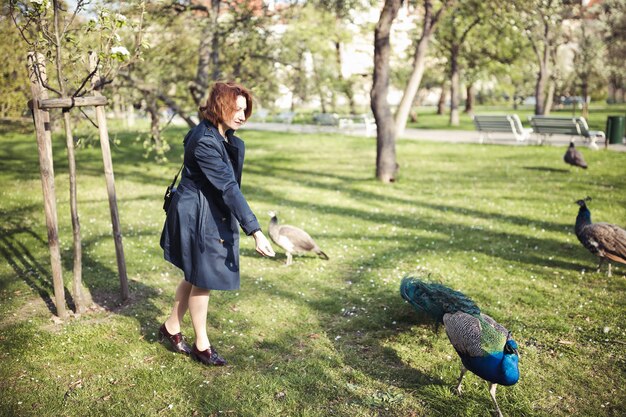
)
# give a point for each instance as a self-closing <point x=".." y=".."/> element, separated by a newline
<point x="201" y="234"/>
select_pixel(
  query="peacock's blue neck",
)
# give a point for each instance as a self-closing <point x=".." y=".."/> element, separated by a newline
<point x="510" y="369"/>
<point x="498" y="368"/>
<point x="583" y="218"/>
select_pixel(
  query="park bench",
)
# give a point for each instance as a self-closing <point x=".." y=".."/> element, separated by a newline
<point x="261" y="115"/>
<point x="285" y="117"/>
<point x="546" y="126"/>
<point x="507" y="123"/>
<point x="348" y="123"/>
<point x="326" y="119"/>
<point x="359" y="121"/>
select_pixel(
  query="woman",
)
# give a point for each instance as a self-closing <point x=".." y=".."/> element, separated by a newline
<point x="201" y="234"/>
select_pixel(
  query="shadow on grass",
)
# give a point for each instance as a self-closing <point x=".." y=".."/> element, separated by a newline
<point x="547" y="169"/>
<point x="27" y="254"/>
<point x="18" y="244"/>
<point x="505" y="245"/>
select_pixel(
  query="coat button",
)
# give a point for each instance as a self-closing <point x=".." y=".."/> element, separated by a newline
<point x="222" y="241"/>
<point x="223" y="219"/>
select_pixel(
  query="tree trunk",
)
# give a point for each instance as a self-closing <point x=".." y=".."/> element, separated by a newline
<point x="543" y="75"/>
<point x="130" y="115"/>
<point x="208" y="56"/>
<point x="346" y="85"/>
<point x="419" y="63"/>
<point x="215" y="40"/>
<point x="540" y="87"/>
<point x="469" y="102"/>
<point x="198" y="88"/>
<point x="155" y="120"/>
<point x="547" y="107"/>
<point x="585" y="93"/>
<point x="441" y="104"/>
<point x="77" y="291"/>
<point x="77" y="285"/>
<point x="318" y="85"/>
<point x="386" y="166"/>
<point x="454" y="85"/>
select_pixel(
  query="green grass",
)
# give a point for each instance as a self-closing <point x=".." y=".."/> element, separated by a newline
<point x="598" y="112"/>
<point x="320" y="338"/>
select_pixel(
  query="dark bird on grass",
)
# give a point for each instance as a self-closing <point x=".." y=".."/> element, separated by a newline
<point x="574" y="157"/>
<point x="605" y="240"/>
<point x="484" y="346"/>
<point x="292" y="239"/>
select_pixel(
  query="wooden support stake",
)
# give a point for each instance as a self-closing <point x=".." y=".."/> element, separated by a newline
<point x="37" y="69"/>
<point x="108" y="173"/>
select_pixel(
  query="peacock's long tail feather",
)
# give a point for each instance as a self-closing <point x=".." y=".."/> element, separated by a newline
<point x="435" y="299"/>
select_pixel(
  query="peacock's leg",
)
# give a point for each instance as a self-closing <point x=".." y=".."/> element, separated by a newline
<point x="600" y="264"/>
<point x="492" y="392"/>
<point x="289" y="258"/>
<point x="610" y="275"/>
<point x="458" y="387"/>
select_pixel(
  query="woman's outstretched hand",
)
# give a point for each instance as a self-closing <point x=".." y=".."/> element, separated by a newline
<point x="263" y="245"/>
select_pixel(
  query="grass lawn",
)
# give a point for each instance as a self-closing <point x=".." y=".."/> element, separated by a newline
<point x="320" y="338"/>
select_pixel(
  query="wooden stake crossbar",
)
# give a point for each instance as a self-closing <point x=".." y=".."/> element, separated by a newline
<point x="60" y="103"/>
<point x="40" y="104"/>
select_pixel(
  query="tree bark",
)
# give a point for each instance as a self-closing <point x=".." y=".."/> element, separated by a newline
<point x="386" y="166"/>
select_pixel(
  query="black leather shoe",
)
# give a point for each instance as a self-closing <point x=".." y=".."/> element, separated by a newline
<point x="176" y="340"/>
<point x="208" y="357"/>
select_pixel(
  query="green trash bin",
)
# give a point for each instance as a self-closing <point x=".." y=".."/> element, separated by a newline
<point x="615" y="129"/>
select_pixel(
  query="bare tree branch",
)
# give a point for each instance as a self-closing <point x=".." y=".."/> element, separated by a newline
<point x="89" y="77"/>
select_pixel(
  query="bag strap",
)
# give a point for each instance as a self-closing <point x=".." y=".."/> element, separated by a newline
<point x="176" y="176"/>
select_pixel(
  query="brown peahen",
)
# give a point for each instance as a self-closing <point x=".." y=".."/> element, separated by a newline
<point x="292" y="239"/>
<point x="605" y="240"/>
<point x="574" y="157"/>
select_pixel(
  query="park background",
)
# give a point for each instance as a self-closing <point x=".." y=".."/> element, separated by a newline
<point x="319" y="337"/>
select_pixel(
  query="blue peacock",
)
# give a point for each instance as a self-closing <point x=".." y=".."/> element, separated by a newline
<point x="485" y="347"/>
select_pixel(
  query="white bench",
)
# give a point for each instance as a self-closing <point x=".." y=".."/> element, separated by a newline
<point x="326" y="119"/>
<point x="546" y="126"/>
<point x="260" y="115"/>
<point x="507" y="123"/>
<point x="285" y="117"/>
<point x="358" y="122"/>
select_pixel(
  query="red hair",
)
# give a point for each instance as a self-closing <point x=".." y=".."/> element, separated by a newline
<point x="222" y="102"/>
